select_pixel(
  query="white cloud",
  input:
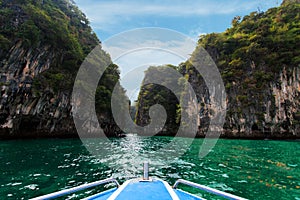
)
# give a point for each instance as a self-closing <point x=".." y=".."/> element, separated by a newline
<point x="149" y="45"/>
<point x="136" y="50"/>
<point x="132" y="64"/>
<point x="105" y="14"/>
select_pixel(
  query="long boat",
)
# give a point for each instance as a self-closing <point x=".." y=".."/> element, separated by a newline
<point x="144" y="188"/>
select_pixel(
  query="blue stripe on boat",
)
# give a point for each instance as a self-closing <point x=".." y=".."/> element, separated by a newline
<point x="145" y="190"/>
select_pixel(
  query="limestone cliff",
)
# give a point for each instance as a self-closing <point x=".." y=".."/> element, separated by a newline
<point x="24" y="110"/>
<point x="268" y="112"/>
<point x="259" y="61"/>
<point x="42" y="46"/>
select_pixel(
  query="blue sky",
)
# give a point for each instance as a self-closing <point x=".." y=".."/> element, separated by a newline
<point x="110" y="19"/>
<point x="191" y="17"/>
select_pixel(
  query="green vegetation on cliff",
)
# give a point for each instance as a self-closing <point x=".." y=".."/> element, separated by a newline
<point x="266" y="40"/>
<point x="57" y="24"/>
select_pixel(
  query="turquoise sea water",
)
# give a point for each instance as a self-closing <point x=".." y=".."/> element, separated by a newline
<point x="251" y="169"/>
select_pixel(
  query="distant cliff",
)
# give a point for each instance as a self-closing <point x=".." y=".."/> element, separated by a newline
<point x="259" y="61"/>
<point x="42" y="44"/>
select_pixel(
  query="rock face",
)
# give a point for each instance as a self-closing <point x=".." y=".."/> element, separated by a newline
<point x="287" y="101"/>
<point x="42" y="46"/>
<point x="25" y="111"/>
<point x="271" y="113"/>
